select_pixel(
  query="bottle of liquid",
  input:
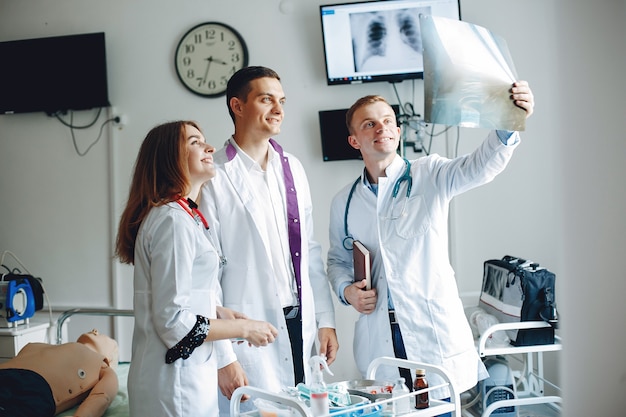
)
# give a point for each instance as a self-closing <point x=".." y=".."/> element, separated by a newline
<point x="402" y="405"/>
<point x="421" y="400"/>
<point x="318" y="391"/>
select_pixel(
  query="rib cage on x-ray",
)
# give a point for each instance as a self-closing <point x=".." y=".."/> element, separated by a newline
<point x="375" y="37"/>
<point x="387" y="39"/>
<point x="408" y="24"/>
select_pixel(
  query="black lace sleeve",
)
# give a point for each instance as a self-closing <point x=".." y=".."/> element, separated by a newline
<point x="194" y="338"/>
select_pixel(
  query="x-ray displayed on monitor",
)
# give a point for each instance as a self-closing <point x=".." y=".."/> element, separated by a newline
<point x="377" y="40"/>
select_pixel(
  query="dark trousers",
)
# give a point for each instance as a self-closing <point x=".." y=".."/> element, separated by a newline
<point x="400" y="352"/>
<point x="25" y="393"/>
<point x="294" y="327"/>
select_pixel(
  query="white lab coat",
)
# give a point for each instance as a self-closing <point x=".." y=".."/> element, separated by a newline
<point x="247" y="279"/>
<point x="410" y="256"/>
<point x="175" y="279"/>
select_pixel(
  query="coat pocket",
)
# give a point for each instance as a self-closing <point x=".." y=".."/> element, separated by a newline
<point x="410" y="217"/>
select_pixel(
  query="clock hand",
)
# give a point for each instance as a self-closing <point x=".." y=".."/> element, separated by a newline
<point x="219" y="61"/>
<point x="206" y="71"/>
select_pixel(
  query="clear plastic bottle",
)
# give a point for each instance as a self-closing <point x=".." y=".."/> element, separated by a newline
<point x="403" y="405"/>
<point x="319" y="392"/>
<point x="421" y="400"/>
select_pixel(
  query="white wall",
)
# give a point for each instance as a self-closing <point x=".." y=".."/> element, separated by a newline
<point x="591" y="120"/>
<point x="59" y="211"/>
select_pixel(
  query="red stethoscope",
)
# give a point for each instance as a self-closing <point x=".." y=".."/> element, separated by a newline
<point x="192" y="208"/>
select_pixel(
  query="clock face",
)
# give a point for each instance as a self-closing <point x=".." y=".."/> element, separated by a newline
<point x="207" y="56"/>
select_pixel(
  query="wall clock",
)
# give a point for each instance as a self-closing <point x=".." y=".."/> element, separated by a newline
<point x="207" y="56"/>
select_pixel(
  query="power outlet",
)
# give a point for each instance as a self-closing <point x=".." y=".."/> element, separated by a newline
<point x="119" y="119"/>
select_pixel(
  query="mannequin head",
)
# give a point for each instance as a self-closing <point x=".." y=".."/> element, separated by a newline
<point x="102" y="344"/>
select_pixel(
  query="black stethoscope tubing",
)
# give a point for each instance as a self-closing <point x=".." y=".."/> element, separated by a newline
<point x="347" y="241"/>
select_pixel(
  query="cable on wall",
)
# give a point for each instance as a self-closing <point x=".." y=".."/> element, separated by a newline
<point x="410" y="121"/>
<point x="72" y="126"/>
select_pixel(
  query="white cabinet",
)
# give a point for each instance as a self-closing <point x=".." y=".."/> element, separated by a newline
<point x="13" y="339"/>
<point x="530" y="380"/>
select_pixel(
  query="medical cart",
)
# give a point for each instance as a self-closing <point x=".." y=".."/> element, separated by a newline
<point x="375" y="409"/>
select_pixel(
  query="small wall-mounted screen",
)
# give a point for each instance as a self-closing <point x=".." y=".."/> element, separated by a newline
<point x="377" y="40"/>
<point x="53" y="74"/>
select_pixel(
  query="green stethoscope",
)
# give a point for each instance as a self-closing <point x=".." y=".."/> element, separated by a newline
<point x="347" y="241"/>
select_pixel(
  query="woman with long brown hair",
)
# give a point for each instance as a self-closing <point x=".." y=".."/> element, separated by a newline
<point x="162" y="233"/>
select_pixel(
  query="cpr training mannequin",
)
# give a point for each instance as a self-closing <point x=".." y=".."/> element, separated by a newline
<point x="44" y="380"/>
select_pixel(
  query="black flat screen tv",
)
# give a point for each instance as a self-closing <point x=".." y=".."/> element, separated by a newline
<point x="53" y="74"/>
<point x="334" y="134"/>
<point x="380" y="40"/>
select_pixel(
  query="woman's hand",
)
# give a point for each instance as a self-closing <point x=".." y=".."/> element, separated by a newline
<point x="258" y="333"/>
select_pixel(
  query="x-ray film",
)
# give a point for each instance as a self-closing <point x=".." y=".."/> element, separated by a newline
<point x="468" y="72"/>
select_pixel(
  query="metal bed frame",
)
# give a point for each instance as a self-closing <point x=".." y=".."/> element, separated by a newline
<point x="87" y="311"/>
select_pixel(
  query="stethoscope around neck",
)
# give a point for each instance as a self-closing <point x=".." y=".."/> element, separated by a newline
<point x="347" y="241"/>
<point x="191" y="208"/>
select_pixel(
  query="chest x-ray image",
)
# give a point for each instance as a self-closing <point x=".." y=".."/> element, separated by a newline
<point x="387" y="39"/>
<point x="468" y="71"/>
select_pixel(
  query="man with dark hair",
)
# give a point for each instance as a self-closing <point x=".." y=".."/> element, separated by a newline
<point x="260" y="211"/>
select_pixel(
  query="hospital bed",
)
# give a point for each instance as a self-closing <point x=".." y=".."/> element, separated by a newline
<point x="119" y="406"/>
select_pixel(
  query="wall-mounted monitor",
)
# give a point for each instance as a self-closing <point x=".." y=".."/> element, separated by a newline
<point x="53" y="74"/>
<point x="377" y="40"/>
<point x="334" y="134"/>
